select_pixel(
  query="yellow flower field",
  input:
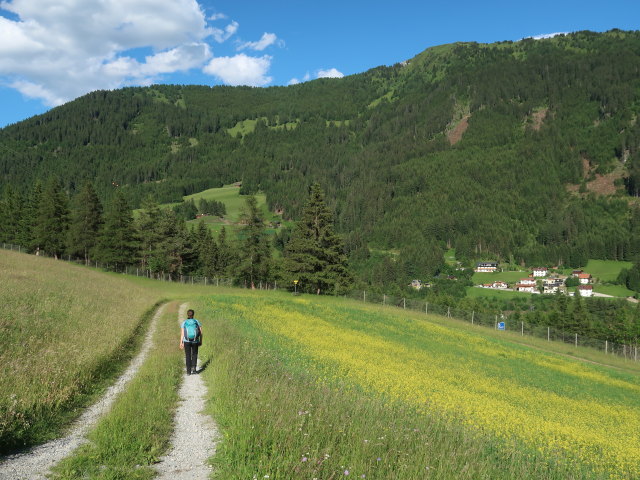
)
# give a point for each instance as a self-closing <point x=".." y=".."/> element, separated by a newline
<point x="560" y="407"/>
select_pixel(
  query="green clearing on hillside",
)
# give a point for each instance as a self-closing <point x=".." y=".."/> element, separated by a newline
<point x="605" y="270"/>
<point x="64" y="331"/>
<point x="509" y="277"/>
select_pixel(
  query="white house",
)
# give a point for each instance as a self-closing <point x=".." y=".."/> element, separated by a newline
<point x="520" y="287"/>
<point x="527" y="281"/>
<point x="486" y="267"/>
<point x="540" y="272"/>
<point x="584" y="278"/>
<point x="585" y="290"/>
<point x="500" y="285"/>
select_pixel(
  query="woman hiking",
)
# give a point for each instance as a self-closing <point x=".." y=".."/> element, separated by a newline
<point x="190" y="340"/>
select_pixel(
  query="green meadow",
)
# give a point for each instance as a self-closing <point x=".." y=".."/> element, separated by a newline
<point x="307" y="386"/>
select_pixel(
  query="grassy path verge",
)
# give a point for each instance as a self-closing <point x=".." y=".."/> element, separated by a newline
<point x="35" y="462"/>
<point x="136" y="431"/>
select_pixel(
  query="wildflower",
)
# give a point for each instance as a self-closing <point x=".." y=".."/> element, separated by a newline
<point x="346" y="472"/>
<point x="304" y="459"/>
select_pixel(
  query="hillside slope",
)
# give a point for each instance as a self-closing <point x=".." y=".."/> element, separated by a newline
<point x="538" y="113"/>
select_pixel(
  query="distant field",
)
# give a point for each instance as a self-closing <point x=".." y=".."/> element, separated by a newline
<point x="509" y="277"/>
<point x="475" y="292"/>
<point x="606" y="270"/>
<point x="615" y="290"/>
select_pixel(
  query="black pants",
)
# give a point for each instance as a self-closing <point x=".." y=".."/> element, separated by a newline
<point x="191" y="356"/>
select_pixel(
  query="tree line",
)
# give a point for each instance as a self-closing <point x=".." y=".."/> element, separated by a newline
<point x="158" y="240"/>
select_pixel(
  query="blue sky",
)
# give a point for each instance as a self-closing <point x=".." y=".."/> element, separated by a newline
<point x="52" y="51"/>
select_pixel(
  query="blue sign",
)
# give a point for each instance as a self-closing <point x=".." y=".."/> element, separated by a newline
<point x="501" y="326"/>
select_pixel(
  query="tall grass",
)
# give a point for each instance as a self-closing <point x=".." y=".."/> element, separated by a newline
<point x="64" y="331"/>
<point x="136" y="431"/>
<point x="312" y="389"/>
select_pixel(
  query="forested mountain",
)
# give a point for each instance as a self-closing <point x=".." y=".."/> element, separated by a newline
<point x="526" y="151"/>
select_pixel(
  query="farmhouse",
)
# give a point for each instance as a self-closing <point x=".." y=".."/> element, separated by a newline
<point x="552" y="285"/>
<point x="540" y="272"/>
<point x="585" y="278"/>
<point x="486" y="267"/>
<point x="585" y="290"/>
<point x="575" y="273"/>
<point x="527" y="285"/>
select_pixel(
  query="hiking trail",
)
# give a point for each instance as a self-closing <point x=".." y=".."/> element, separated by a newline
<point x="195" y="434"/>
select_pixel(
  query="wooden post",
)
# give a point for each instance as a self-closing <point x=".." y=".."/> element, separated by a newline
<point x="448" y="312"/>
<point x="365" y="296"/>
<point x="522" y="329"/>
<point x="548" y="334"/>
<point x="576" y="340"/>
<point x="404" y="303"/>
<point x="473" y="314"/>
<point x="426" y="308"/>
<point x="606" y="346"/>
<point x="384" y="299"/>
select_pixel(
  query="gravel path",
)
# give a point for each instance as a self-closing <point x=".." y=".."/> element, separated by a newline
<point x="195" y="435"/>
<point x="36" y="462"/>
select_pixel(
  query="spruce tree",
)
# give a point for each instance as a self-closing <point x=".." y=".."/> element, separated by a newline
<point x="86" y="223"/>
<point x="11" y="210"/>
<point x="118" y="244"/>
<point x="52" y="220"/>
<point x="29" y="219"/>
<point x="315" y="254"/>
<point x="255" y="256"/>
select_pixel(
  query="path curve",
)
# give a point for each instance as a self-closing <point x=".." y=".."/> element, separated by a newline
<point x="34" y="463"/>
<point x="195" y="434"/>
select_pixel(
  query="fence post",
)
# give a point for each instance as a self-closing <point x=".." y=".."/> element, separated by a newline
<point x="548" y="334"/>
<point x="576" y="340"/>
<point x="522" y="329"/>
<point x="404" y="303"/>
<point x="426" y="308"/>
<point x="448" y="312"/>
<point x="473" y="314"/>
<point x="384" y="299"/>
<point x="364" y="296"/>
<point x="606" y="346"/>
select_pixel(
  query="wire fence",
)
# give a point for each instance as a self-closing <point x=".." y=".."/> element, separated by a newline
<point x="499" y="321"/>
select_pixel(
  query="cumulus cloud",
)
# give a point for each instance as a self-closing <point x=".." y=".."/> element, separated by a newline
<point x="222" y="35"/>
<point x="56" y="51"/>
<point x="241" y="69"/>
<point x="330" y="73"/>
<point x="266" y="40"/>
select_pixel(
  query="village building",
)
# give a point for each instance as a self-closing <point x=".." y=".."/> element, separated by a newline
<point x="575" y="273"/>
<point x="553" y="285"/>
<point x="584" y="278"/>
<point x="527" y="285"/>
<point x="540" y="272"/>
<point x="486" y="267"/>
<point x="585" y="290"/>
<point x="417" y="284"/>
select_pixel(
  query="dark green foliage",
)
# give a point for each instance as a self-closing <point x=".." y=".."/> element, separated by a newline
<point x="85" y="223"/>
<point x="314" y="256"/>
<point x="118" y="244"/>
<point x="52" y="220"/>
<point x="255" y="253"/>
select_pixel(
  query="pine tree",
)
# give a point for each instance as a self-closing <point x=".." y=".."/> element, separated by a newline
<point x="315" y="254"/>
<point x="118" y="244"/>
<point x="86" y="223"/>
<point x="255" y="256"/>
<point x="11" y="211"/>
<point x="148" y="223"/>
<point x="28" y="221"/>
<point x="52" y="220"/>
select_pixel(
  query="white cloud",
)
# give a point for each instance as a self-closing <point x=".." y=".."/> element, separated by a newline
<point x="217" y="16"/>
<point x="57" y="51"/>
<point x="548" y="35"/>
<point x="331" y="73"/>
<point x="221" y="35"/>
<point x="266" y="40"/>
<point x="241" y="69"/>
